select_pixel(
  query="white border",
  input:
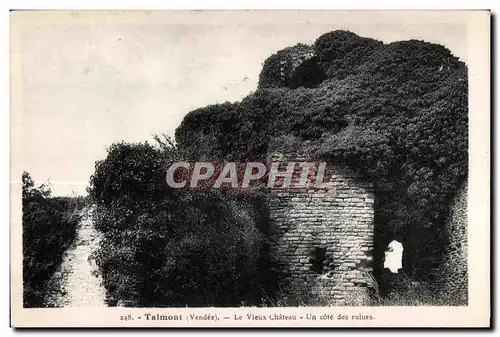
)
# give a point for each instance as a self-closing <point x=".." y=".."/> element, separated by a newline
<point x="148" y="4"/>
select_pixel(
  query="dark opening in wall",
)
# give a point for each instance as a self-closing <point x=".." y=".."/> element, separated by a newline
<point x="308" y="74"/>
<point x="318" y="260"/>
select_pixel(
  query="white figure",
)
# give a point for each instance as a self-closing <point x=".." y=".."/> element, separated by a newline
<point x="394" y="256"/>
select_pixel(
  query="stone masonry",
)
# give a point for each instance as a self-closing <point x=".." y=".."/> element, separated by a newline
<point x="323" y="238"/>
<point x="451" y="278"/>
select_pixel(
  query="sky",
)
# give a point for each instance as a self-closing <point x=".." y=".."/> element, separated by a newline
<point x="87" y="83"/>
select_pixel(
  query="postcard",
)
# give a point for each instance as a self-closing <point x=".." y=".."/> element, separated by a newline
<point x="250" y="168"/>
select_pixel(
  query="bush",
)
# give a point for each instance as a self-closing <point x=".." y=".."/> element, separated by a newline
<point x="164" y="247"/>
<point x="49" y="228"/>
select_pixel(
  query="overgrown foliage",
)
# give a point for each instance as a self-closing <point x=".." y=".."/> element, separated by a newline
<point x="402" y="290"/>
<point x="278" y="68"/>
<point x="397" y="113"/>
<point x="49" y="228"/>
<point x="165" y="247"/>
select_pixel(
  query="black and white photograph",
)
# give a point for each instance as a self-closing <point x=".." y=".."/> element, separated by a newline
<point x="269" y="162"/>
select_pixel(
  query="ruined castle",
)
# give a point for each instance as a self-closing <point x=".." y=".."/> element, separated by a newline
<point x="324" y="239"/>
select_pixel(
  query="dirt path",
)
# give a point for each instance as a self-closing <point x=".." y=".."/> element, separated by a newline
<point x="73" y="284"/>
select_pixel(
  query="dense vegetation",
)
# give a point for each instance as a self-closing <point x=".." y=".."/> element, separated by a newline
<point x="49" y="228"/>
<point x="165" y="247"/>
<point x="396" y="113"/>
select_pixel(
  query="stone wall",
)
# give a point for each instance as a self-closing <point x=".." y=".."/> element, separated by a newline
<point x="289" y="65"/>
<point x="450" y="279"/>
<point x="323" y="238"/>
